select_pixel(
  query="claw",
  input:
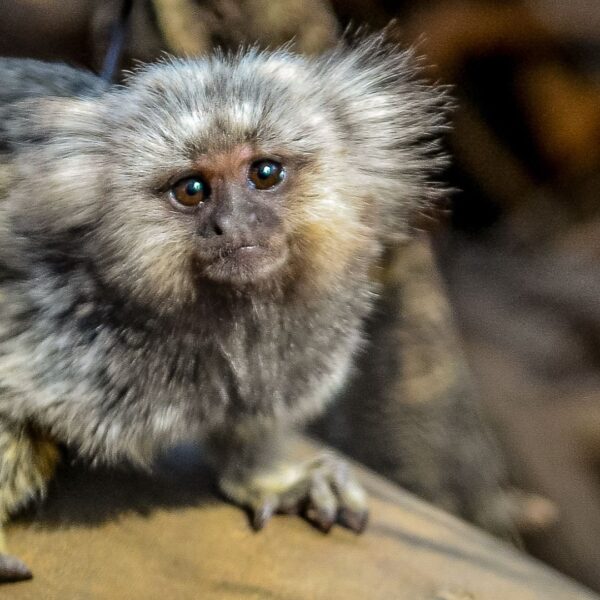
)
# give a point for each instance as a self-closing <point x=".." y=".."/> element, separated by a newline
<point x="263" y="513"/>
<point x="355" y="521"/>
<point x="321" y="518"/>
<point x="13" y="569"/>
<point x="352" y="496"/>
<point x="322" y="490"/>
<point x="322" y="506"/>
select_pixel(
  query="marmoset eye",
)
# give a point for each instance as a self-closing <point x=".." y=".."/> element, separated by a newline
<point x="265" y="174"/>
<point x="190" y="192"/>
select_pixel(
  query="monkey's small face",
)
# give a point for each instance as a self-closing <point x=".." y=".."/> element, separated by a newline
<point x="262" y="169"/>
<point x="234" y="204"/>
<point x="214" y="177"/>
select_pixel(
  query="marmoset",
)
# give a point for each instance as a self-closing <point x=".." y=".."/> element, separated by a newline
<point x="187" y="255"/>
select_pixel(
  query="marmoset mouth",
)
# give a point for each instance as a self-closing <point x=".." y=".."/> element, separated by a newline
<point x="242" y="264"/>
<point x="244" y="250"/>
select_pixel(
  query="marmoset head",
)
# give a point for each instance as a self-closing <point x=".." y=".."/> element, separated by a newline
<point x="245" y="171"/>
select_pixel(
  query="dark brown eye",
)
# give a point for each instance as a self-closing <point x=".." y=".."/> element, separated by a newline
<point x="265" y="174"/>
<point x="190" y="191"/>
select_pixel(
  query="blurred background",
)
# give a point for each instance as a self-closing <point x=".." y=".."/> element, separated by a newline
<point x="518" y="243"/>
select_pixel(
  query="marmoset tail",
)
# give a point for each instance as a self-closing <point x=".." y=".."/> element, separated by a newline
<point x="187" y="256"/>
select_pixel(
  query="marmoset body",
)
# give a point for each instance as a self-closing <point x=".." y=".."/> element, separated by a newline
<point x="187" y="256"/>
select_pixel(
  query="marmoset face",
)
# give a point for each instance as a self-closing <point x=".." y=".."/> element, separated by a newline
<point x="234" y="203"/>
<point x="250" y="171"/>
<point x="209" y="171"/>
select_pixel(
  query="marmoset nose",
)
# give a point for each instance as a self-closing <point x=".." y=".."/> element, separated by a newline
<point x="226" y="215"/>
<point x="227" y="223"/>
<point x="218" y="225"/>
<point x="212" y="228"/>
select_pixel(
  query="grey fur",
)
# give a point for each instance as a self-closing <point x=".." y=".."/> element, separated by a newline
<point x="106" y="342"/>
<point x="114" y="342"/>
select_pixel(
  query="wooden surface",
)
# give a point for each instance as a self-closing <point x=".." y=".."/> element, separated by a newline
<point x="122" y="535"/>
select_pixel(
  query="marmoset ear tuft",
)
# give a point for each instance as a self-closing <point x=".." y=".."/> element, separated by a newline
<point x="40" y="119"/>
<point x="394" y="119"/>
<point x="60" y="143"/>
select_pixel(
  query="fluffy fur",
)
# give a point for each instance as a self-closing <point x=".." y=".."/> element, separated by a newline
<point x="110" y="342"/>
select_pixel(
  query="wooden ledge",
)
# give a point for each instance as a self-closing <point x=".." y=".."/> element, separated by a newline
<point x="121" y="535"/>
